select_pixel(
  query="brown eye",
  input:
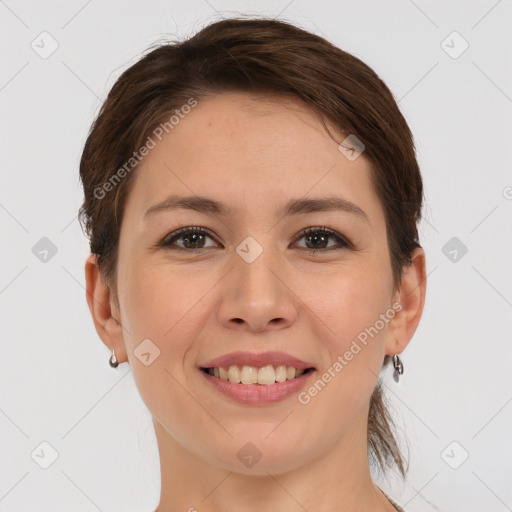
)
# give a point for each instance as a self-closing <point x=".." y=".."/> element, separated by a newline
<point x="190" y="238"/>
<point x="196" y="238"/>
<point x="317" y="239"/>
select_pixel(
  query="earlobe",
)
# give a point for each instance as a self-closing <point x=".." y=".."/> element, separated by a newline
<point x="104" y="315"/>
<point x="411" y="296"/>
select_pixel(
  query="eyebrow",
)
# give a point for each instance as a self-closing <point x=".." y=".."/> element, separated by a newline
<point x="203" y="204"/>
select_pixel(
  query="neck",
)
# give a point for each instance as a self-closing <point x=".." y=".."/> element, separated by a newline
<point x="338" y="479"/>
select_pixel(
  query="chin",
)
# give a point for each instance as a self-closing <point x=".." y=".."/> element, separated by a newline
<point x="259" y="456"/>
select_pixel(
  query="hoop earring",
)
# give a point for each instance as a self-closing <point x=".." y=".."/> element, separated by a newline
<point x="113" y="361"/>
<point x="399" y="367"/>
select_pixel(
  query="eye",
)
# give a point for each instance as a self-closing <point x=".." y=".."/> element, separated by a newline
<point x="193" y="238"/>
<point x="318" y="237"/>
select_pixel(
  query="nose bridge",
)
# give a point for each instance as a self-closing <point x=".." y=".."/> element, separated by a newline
<point x="256" y="293"/>
<point x="255" y="280"/>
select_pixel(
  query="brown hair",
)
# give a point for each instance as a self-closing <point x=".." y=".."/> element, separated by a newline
<point x="264" y="56"/>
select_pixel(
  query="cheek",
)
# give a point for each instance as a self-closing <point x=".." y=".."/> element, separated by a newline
<point x="347" y="302"/>
<point x="161" y="305"/>
<point x="350" y="306"/>
<point x="165" y="309"/>
<point x="353" y="337"/>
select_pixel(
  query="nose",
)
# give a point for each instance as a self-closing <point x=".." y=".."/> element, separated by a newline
<point x="256" y="296"/>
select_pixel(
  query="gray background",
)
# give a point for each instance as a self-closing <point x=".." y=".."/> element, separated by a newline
<point x="56" y="387"/>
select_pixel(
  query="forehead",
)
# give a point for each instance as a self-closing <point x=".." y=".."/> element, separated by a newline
<point x="249" y="150"/>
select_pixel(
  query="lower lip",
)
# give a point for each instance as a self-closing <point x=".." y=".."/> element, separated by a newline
<point x="256" y="394"/>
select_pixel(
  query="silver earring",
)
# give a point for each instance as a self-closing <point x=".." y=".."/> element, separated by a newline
<point x="113" y="361"/>
<point x="399" y="367"/>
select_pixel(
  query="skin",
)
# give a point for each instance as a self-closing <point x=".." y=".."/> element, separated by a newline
<point x="254" y="153"/>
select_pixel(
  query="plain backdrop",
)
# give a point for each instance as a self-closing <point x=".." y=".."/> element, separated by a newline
<point x="448" y="64"/>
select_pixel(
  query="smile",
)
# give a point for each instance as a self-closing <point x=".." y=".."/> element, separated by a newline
<point x="265" y="376"/>
<point x="250" y="390"/>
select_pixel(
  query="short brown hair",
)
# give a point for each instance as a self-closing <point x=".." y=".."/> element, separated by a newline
<point x="263" y="56"/>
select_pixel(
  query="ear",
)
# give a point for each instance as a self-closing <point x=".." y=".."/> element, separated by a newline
<point x="103" y="309"/>
<point x="411" y="296"/>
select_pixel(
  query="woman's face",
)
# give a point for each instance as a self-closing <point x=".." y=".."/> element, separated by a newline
<point x="252" y="283"/>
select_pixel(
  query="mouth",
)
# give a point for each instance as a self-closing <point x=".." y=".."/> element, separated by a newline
<point x="257" y="386"/>
<point x="252" y="375"/>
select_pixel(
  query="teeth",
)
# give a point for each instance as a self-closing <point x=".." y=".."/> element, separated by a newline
<point x="265" y="376"/>
<point x="280" y="373"/>
<point x="249" y="375"/>
<point x="234" y="374"/>
<point x="290" y="372"/>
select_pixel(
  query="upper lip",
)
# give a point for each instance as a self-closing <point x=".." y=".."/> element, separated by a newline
<point x="243" y="358"/>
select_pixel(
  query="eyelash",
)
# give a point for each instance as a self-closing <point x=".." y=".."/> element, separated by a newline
<point x="168" y="241"/>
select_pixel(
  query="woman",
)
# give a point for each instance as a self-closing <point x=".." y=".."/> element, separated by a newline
<point x="252" y="198"/>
